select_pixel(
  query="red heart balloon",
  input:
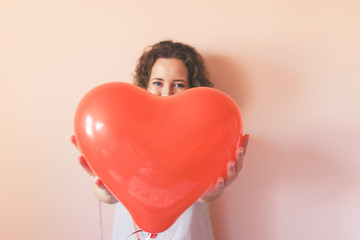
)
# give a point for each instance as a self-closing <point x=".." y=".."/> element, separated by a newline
<point x="157" y="155"/>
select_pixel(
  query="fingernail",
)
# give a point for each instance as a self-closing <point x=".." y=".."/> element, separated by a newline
<point x="98" y="182"/>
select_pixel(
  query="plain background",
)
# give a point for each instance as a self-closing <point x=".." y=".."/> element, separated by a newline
<point x="292" y="66"/>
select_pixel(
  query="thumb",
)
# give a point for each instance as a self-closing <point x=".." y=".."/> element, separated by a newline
<point x="73" y="140"/>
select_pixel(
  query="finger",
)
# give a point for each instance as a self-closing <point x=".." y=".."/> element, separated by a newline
<point x="239" y="159"/>
<point x="239" y="153"/>
<point x="231" y="169"/>
<point x="85" y="165"/>
<point x="73" y="140"/>
<point x="245" y="141"/>
<point x="100" y="188"/>
<point x="99" y="183"/>
<point x="220" y="185"/>
<point x="232" y="174"/>
<point x="213" y="192"/>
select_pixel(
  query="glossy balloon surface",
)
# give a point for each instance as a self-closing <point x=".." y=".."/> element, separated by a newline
<point x="157" y="155"/>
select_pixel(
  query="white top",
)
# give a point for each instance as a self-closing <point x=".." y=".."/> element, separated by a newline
<point x="193" y="224"/>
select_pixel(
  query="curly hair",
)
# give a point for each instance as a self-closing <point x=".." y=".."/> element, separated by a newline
<point x="198" y="76"/>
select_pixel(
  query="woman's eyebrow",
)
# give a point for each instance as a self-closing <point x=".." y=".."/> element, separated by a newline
<point x="156" y="78"/>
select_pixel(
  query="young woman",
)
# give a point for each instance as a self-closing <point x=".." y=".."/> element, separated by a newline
<point x="167" y="68"/>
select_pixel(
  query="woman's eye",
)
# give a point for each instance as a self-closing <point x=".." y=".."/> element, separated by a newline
<point x="179" y="85"/>
<point x="158" y="84"/>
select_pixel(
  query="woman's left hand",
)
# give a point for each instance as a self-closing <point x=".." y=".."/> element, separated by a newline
<point x="233" y="169"/>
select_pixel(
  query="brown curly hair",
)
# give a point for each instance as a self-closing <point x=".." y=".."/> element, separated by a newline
<point x="198" y="76"/>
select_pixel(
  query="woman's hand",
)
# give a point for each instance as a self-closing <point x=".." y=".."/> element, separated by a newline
<point x="233" y="169"/>
<point x="100" y="191"/>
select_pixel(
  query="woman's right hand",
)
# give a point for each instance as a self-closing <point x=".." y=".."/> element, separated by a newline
<point x="100" y="191"/>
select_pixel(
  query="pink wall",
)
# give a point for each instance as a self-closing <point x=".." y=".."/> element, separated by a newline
<point x="293" y="68"/>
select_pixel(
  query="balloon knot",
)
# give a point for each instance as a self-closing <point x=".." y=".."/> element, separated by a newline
<point x="151" y="236"/>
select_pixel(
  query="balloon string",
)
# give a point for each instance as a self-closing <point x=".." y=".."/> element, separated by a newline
<point x="101" y="223"/>
<point x="136" y="234"/>
<point x="136" y="231"/>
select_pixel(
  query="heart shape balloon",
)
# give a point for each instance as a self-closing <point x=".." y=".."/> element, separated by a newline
<point x="157" y="155"/>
